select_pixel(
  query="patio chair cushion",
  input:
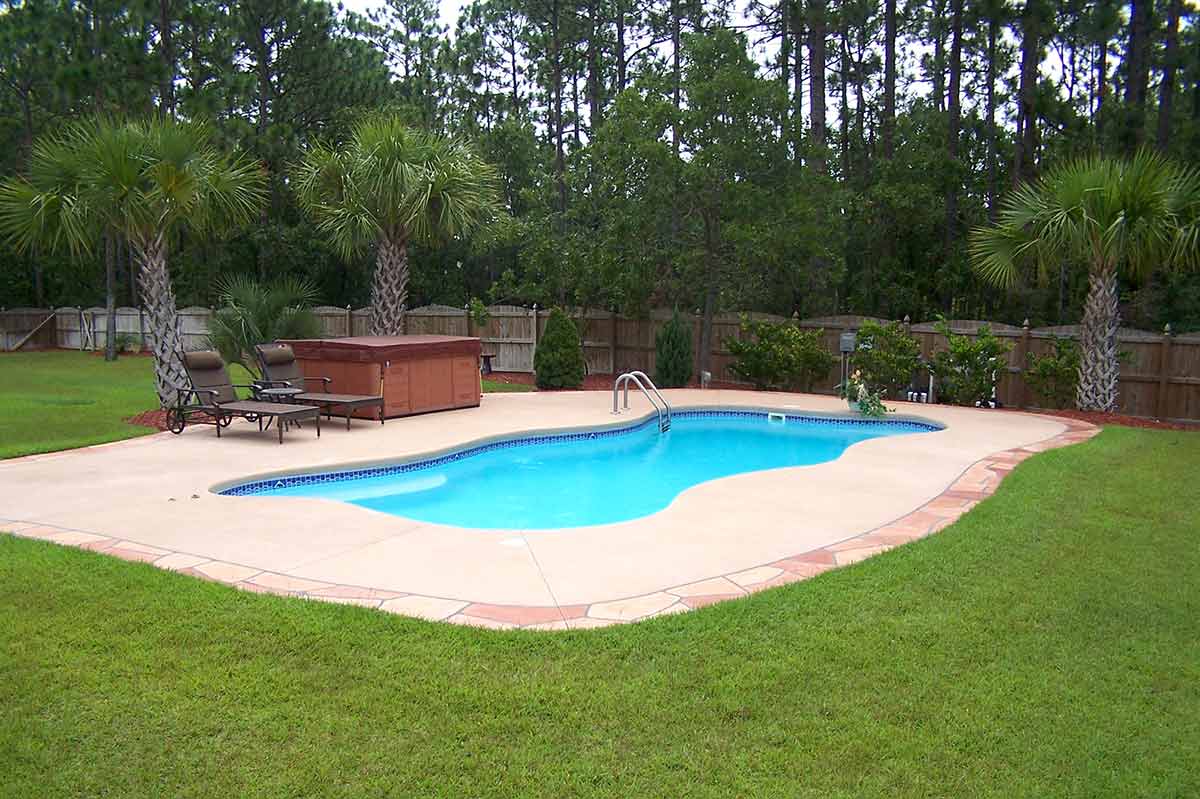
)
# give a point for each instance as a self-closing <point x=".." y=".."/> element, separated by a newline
<point x="203" y="360"/>
<point x="206" y="370"/>
<point x="279" y="364"/>
<point x="277" y="354"/>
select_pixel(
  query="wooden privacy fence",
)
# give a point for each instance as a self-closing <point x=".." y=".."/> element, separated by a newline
<point x="87" y="328"/>
<point x="1160" y="372"/>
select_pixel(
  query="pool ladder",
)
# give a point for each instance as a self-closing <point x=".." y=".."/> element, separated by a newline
<point x="642" y="381"/>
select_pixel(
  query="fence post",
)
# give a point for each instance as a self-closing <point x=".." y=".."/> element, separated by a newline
<point x="467" y="316"/>
<point x="1022" y="360"/>
<point x="349" y="321"/>
<point x="533" y="355"/>
<point x="906" y="324"/>
<point x="612" y="342"/>
<point x="1164" y="371"/>
<point x="643" y="359"/>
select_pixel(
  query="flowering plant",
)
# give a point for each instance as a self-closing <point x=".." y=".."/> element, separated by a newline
<point x="858" y="393"/>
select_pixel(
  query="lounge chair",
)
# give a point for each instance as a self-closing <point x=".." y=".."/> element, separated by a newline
<point x="211" y="399"/>
<point x="280" y="371"/>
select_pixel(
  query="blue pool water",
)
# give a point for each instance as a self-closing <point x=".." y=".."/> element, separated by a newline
<point x="584" y="478"/>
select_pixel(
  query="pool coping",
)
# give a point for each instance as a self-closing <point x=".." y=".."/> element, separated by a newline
<point x="977" y="482"/>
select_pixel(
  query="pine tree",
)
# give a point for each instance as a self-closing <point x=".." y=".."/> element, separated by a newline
<point x="558" y="361"/>
<point x="673" y="354"/>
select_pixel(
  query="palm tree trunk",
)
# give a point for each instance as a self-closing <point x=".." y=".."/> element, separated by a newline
<point x="389" y="288"/>
<point x="166" y="338"/>
<point x="1099" y="367"/>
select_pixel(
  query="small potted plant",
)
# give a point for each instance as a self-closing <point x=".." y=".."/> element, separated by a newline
<point x="861" y="398"/>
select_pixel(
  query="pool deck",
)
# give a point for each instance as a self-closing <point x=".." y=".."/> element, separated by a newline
<point x="150" y="499"/>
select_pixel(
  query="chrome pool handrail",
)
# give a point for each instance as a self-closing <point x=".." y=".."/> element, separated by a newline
<point x="661" y="406"/>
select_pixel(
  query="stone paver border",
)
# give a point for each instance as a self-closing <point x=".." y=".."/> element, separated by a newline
<point x="975" y="484"/>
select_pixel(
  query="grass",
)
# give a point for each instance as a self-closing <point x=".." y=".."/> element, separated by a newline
<point x="61" y="400"/>
<point x="1045" y="645"/>
<point x="497" y="387"/>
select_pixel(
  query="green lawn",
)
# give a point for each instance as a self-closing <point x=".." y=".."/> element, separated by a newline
<point x="1048" y="644"/>
<point x="61" y="400"/>
<point x="496" y="387"/>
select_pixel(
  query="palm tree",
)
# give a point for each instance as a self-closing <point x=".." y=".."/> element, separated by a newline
<point x="1108" y="216"/>
<point x="390" y="186"/>
<point x="252" y="313"/>
<point x="145" y="181"/>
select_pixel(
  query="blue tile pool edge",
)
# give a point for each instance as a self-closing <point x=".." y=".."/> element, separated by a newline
<point x="258" y="486"/>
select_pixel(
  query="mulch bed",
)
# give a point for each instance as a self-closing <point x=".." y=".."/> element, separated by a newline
<point x="123" y="354"/>
<point x="156" y="419"/>
<point x="1121" y="419"/>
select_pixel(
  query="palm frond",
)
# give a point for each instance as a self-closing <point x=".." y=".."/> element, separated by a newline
<point x="1185" y="205"/>
<point x="1093" y="212"/>
<point x="254" y="313"/>
<point x="396" y="182"/>
<point x="143" y="179"/>
<point x="997" y="253"/>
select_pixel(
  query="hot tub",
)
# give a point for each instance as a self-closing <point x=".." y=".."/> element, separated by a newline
<point x="415" y="374"/>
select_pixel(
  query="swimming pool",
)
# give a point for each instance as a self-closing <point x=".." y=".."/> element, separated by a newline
<point x="581" y="478"/>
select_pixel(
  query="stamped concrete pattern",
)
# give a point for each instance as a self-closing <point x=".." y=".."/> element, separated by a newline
<point x="548" y="580"/>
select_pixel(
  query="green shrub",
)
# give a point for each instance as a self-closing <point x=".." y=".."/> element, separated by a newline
<point x="970" y="367"/>
<point x="885" y="356"/>
<point x="480" y="315"/>
<point x="673" y="354"/>
<point x="866" y="400"/>
<point x="558" y="361"/>
<point x="126" y="342"/>
<point x="1053" y="377"/>
<point x="780" y="356"/>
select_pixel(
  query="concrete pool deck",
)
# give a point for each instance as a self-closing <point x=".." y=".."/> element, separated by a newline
<point x="150" y="499"/>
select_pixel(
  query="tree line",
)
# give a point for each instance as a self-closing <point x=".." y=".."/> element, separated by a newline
<point x="800" y="156"/>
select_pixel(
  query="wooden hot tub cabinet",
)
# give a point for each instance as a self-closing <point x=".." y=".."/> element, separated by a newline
<point x="415" y="374"/>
